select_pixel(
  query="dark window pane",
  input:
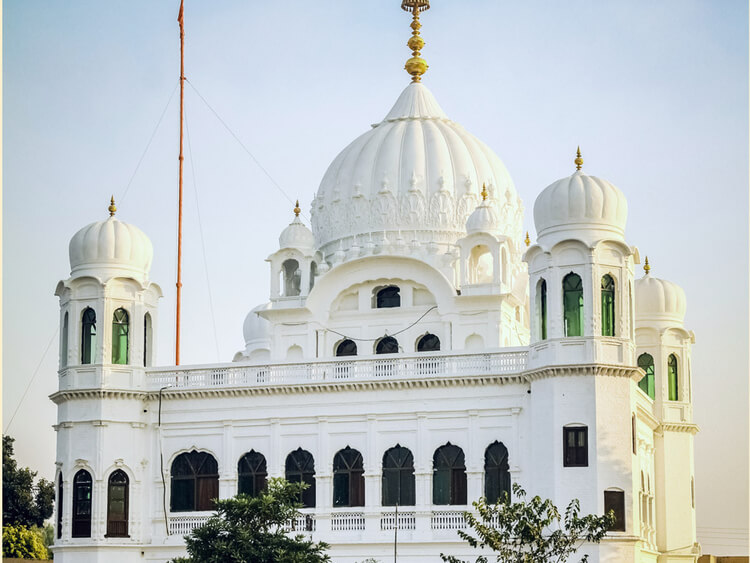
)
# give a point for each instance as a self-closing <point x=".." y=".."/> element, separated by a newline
<point x="428" y="343"/>
<point x="348" y="478"/>
<point x="117" y="505"/>
<point x="543" y="308"/>
<point x="387" y="345"/>
<point x="615" y="501"/>
<point x="575" y="450"/>
<point x="388" y="297"/>
<point x="82" y="505"/>
<point x="251" y="470"/>
<point x="88" y="336"/>
<point x="300" y="468"/>
<point x="346" y="348"/>
<point x="496" y="472"/>
<point x="59" y="505"/>
<point x="195" y="482"/>
<point x="449" y="475"/>
<point x="398" y="477"/>
<point x="341" y="489"/>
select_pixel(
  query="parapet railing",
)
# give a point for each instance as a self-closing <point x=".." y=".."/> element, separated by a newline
<point x="507" y="361"/>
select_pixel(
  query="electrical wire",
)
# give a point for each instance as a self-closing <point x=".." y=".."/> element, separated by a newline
<point x="203" y="240"/>
<point x="250" y="154"/>
<point x="153" y="134"/>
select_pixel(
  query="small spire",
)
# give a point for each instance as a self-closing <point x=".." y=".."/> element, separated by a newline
<point x="416" y="65"/>
<point x="527" y="240"/>
<point x="484" y="192"/>
<point x="112" y="207"/>
<point x="296" y="209"/>
<point x="646" y="267"/>
<point x="578" y="160"/>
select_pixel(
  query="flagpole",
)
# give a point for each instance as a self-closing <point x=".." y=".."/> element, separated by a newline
<point x="179" y="212"/>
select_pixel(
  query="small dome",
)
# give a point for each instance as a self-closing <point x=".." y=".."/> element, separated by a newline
<point x="484" y="218"/>
<point x="657" y="299"/>
<point x="297" y="235"/>
<point x="108" y="248"/>
<point x="582" y="204"/>
<point x="256" y="329"/>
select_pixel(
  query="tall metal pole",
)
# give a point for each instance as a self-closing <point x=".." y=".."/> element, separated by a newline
<point x="395" y="537"/>
<point x="179" y="212"/>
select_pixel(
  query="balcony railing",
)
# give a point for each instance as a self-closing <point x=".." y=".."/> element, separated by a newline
<point x="422" y="366"/>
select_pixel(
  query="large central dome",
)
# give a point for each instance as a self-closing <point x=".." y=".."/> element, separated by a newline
<point x="416" y="175"/>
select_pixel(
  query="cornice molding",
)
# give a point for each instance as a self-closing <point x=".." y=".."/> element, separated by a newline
<point x="688" y="427"/>
<point x="81" y="394"/>
<point x="589" y="370"/>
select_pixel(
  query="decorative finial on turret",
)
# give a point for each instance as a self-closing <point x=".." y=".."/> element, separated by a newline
<point x="296" y="209"/>
<point x="646" y="267"/>
<point x="527" y="240"/>
<point x="578" y="160"/>
<point x="484" y="192"/>
<point x="112" y="207"/>
<point x="416" y="65"/>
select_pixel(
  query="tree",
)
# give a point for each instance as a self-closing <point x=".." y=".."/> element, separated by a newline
<point x="531" y="532"/>
<point x="24" y="503"/>
<point x="22" y="543"/>
<point x="252" y="528"/>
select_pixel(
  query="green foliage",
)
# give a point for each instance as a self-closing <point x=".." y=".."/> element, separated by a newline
<point x="248" y="528"/>
<point x="531" y="532"/>
<point x="24" y="503"/>
<point x="20" y="542"/>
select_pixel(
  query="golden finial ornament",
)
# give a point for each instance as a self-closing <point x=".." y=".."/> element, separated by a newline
<point x="527" y="240"/>
<point x="646" y="267"/>
<point x="484" y="192"/>
<point x="578" y="160"/>
<point x="416" y="65"/>
<point x="296" y="209"/>
<point x="112" y="207"/>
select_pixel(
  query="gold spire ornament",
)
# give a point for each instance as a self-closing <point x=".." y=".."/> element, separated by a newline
<point x="484" y="192"/>
<point x="112" y="207"/>
<point x="646" y="267"/>
<point x="297" y="209"/>
<point x="578" y="160"/>
<point x="416" y="65"/>
<point x="527" y="240"/>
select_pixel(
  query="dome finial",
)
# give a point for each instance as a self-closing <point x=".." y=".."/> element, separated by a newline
<point x="484" y="192"/>
<point x="112" y="207"/>
<point x="578" y="160"/>
<point x="646" y="267"/>
<point x="296" y="209"/>
<point x="416" y="65"/>
<point x="527" y="240"/>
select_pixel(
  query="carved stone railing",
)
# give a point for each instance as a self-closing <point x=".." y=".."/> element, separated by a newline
<point x="347" y="521"/>
<point x="420" y="366"/>
<point x="406" y="521"/>
<point x="447" y="520"/>
<point x="183" y="524"/>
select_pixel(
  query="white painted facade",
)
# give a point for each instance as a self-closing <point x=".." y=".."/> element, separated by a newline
<point x="401" y="206"/>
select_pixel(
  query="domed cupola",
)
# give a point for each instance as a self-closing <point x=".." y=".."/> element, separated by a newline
<point x="658" y="300"/>
<point x="297" y="235"/>
<point x="581" y="207"/>
<point x="414" y="172"/>
<point x="110" y="248"/>
<point x="484" y="218"/>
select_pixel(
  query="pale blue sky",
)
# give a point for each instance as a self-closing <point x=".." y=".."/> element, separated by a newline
<point x="654" y="92"/>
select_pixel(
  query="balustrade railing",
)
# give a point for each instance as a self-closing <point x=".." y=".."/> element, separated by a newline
<point x="448" y="520"/>
<point x="183" y="524"/>
<point x="505" y="362"/>
<point x="347" y="521"/>
<point x="406" y="521"/>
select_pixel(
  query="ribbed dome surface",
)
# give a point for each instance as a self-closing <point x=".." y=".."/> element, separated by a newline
<point x="482" y="220"/>
<point x="659" y="299"/>
<point x="110" y="247"/>
<point x="416" y="171"/>
<point x="579" y="203"/>
<point x="297" y="235"/>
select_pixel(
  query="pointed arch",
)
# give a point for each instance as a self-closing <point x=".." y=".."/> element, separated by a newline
<point x="300" y="468"/>
<point x="120" y="336"/>
<point x="251" y="473"/>
<point x="195" y="482"/>
<point x="398" y="477"/>
<point x="348" y="478"/>
<point x="118" y="489"/>
<point x="646" y="363"/>
<point x="573" y="305"/>
<point x="608" y="305"/>
<point x="448" y="475"/>
<point x="88" y="336"/>
<point x="673" y="378"/>
<point x="148" y="339"/>
<point x="82" y="492"/>
<point x="496" y="472"/>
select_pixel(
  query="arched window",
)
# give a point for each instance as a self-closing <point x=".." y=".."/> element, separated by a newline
<point x="252" y="473"/>
<point x="291" y="277"/>
<point x="448" y="475"/>
<point x="646" y="363"/>
<point x="59" y="505"/>
<point x="504" y="266"/>
<point x="313" y="273"/>
<point x="82" y="504"/>
<point x="481" y="265"/>
<point x="300" y="468"/>
<point x="120" y="337"/>
<point x="64" y="342"/>
<point x="428" y="343"/>
<point x="388" y="297"/>
<point x="88" y="336"/>
<point x="573" y="305"/>
<point x="387" y="345"/>
<point x="348" y="478"/>
<point x="542" y="292"/>
<point x="117" y="505"/>
<point x="195" y="482"/>
<point x="147" y="339"/>
<point x="398" y="477"/>
<point x="346" y="348"/>
<point x="672" y="378"/>
<point x="496" y="475"/>
<point x="608" y="306"/>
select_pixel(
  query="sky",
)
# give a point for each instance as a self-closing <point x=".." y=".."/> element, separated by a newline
<point x="655" y="93"/>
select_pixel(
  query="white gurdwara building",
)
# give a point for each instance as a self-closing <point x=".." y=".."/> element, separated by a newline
<point x="415" y="351"/>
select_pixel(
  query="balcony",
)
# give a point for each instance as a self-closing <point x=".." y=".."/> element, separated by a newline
<point x="508" y="362"/>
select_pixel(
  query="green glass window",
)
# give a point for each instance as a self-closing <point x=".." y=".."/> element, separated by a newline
<point x="672" y="377"/>
<point x="120" y="337"/>
<point x="543" y="308"/>
<point x="448" y="475"/>
<point x="88" y="336"/>
<point x="348" y="478"/>
<point x="608" y="306"/>
<point x="573" y="305"/>
<point x="496" y="473"/>
<point x="398" y="477"/>
<point x="646" y="363"/>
